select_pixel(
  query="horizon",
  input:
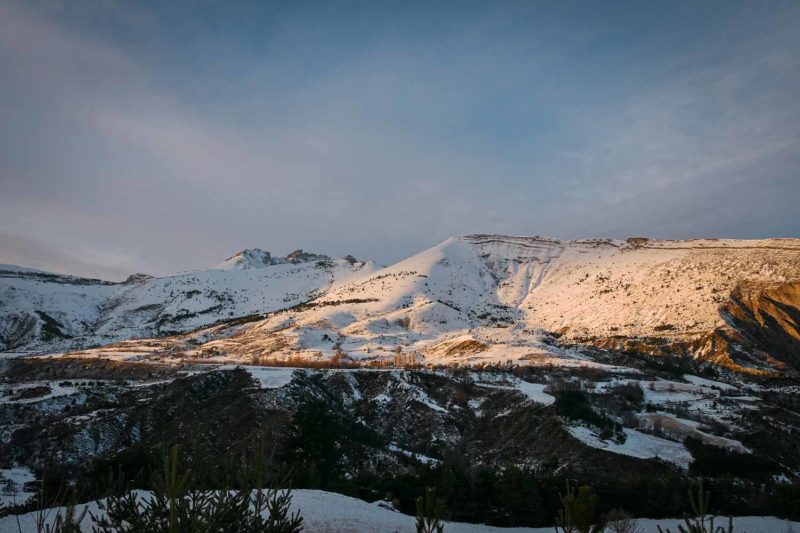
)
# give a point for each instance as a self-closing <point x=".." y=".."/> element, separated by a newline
<point x="380" y="265"/>
<point x="143" y="137"/>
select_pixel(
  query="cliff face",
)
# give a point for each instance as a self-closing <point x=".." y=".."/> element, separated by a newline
<point x="768" y="318"/>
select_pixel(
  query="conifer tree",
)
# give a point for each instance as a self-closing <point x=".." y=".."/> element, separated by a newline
<point x="577" y="514"/>
<point x="429" y="512"/>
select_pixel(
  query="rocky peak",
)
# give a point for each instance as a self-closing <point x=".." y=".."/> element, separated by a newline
<point x="250" y="258"/>
<point x="138" y="278"/>
<point x="299" y="256"/>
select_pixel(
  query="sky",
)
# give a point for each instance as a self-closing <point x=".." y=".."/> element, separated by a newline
<point x="158" y="136"/>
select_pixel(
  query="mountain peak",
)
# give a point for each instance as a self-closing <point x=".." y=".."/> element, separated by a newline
<point x="251" y="258"/>
<point x="247" y="259"/>
<point x="299" y="256"/>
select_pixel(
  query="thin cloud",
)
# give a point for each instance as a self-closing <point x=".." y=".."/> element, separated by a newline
<point x="383" y="143"/>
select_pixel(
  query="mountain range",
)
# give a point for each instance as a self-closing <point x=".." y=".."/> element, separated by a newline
<point x="472" y="299"/>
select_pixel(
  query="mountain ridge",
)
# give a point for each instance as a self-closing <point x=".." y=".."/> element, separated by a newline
<point x="512" y="295"/>
<point x="43" y="311"/>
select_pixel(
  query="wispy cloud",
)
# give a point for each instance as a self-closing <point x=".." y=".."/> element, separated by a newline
<point x="382" y="143"/>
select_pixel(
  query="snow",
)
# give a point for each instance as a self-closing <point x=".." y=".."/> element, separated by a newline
<point x="488" y="299"/>
<point x="419" y="457"/>
<point x="708" y="383"/>
<point x="327" y="511"/>
<point x="55" y="390"/>
<point x="534" y="391"/>
<point x="637" y="444"/>
<point x="12" y="486"/>
<point x="98" y="312"/>
<point x="474" y="300"/>
<point x="271" y="378"/>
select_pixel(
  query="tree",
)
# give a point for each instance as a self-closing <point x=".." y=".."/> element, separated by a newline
<point x="429" y="512"/>
<point x="577" y="514"/>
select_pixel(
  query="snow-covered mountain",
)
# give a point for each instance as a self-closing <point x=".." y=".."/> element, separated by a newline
<point x="490" y="298"/>
<point x="45" y="311"/>
<point x="470" y="299"/>
<point x="258" y="258"/>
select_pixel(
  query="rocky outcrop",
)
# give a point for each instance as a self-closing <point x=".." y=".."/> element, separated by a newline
<point x="768" y="318"/>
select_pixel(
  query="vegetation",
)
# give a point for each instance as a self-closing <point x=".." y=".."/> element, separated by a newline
<point x="178" y="504"/>
<point x="578" y="511"/>
<point x="700" y="522"/>
<point x="712" y="460"/>
<point x="621" y="522"/>
<point x="575" y="405"/>
<point x="429" y="512"/>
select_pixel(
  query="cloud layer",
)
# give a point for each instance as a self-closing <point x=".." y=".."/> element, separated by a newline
<point x="163" y="139"/>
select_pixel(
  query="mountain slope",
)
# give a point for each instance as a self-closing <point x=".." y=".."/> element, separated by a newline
<point x="489" y="298"/>
<point x="44" y="311"/>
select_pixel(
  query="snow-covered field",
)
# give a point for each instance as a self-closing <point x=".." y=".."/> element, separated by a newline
<point x="327" y="511"/>
<point x="13" y="489"/>
<point x="637" y="444"/>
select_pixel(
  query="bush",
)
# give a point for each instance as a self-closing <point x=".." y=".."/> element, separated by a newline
<point x="621" y="522"/>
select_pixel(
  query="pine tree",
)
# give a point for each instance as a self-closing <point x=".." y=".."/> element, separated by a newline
<point x="577" y="514"/>
<point x="429" y="512"/>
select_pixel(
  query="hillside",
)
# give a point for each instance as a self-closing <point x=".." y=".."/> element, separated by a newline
<point x="488" y="299"/>
<point x="472" y="299"/>
<point x="42" y="311"/>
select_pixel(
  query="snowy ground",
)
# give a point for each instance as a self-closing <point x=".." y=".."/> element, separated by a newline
<point x="534" y="391"/>
<point x="637" y="444"/>
<point x="12" y="486"/>
<point x="326" y="511"/>
<point x="271" y="378"/>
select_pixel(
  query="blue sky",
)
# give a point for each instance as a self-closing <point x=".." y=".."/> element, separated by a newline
<point x="164" y="136"/>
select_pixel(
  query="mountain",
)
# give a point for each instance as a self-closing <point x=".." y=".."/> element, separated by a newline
<point x="43" y="311"/>
<point x="490" y="298"/>
<point x="471" y="299"/>
<point x="635" y="366"/>
<point x="257" y="258"/>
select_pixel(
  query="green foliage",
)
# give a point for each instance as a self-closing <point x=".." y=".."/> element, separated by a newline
<point x="700" y="522"/>
<point x="709" y="460"/>
<point x="176" y="506"/>
<point x="429" y="512"/>
<point x="578" y="511"/>
<point x="317" y="437"/>
<point x="575" y="405"/>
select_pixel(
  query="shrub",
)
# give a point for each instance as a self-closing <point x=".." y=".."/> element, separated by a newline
<point x="621" y="522"/>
